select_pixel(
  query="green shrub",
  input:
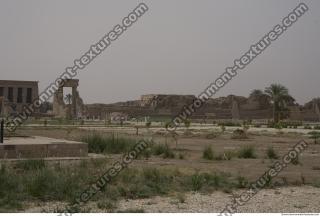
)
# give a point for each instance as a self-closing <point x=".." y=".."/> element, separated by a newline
<point x="164" y="150"/>
<point x="242" y="182"/>
<point x="159" y="149"/>
<point x="317" y="127"/>
<point x="247" y="152"/>
<point x="271" y="154"/>
<point x="109" y="144"/>
<point x="47" y="185"/>
<point x="181" y="156"/>
<point x="315" y="135"/>
<point x="223" y="128"/>
<point x="208" y="153"/>
<point x="197" y="181"/>
<point x="168" y="153"/>
<point x="279" y="125"/>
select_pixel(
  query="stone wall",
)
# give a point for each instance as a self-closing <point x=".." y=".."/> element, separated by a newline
<point x="230" y="107"/>
<point x="17" y="94"/>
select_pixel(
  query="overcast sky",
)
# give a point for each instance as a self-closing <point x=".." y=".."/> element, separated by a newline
<point x="177" y="47"/>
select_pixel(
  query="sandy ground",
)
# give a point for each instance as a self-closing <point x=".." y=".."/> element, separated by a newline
<point x="294" y="198"/>
<point x="284" y="200"/>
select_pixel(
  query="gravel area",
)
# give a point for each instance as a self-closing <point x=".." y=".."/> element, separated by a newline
<point x="286" y="199"/>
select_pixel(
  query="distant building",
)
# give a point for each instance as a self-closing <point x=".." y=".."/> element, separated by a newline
<point x="14" y="95"/>
<point x="117" y="117"/>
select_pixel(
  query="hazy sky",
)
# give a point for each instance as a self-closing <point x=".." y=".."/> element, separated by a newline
<point x="177" y="47"/>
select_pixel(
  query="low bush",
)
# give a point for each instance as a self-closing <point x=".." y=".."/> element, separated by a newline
<point x="242" y="182"/>
<point x="208" y="153"/>
<point x="108" y="144"/>
<point x="197" y="181"/>
<point x="164" y="150"/>
<point x="247" y="152"/>
<point x="315" y="135"/>
<point x="271" y="154"/>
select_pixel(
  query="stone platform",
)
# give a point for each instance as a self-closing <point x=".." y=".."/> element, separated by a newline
<point x="41" y="147"/>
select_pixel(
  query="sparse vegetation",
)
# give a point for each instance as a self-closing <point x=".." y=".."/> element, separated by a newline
<point x="271" y="153"/>
<point x="315" y="135"/>
<point x="108" y="144"/>
<point x="208" y="153"/>
<point x="307" y="127"/>
<point x="31" y="164"/>
<point x="181" y="155"/>
<point x="242" y="182"/>
<point x="223" y="128"/>
<point x="164" y="150"/>
<point x="247" y="152"/>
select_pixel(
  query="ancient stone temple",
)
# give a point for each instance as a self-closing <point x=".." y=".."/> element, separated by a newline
<point x="14" y="95"/>
<point x="75" y="108"/>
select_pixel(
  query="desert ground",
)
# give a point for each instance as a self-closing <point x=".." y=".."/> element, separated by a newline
<point x="182" y="178"/>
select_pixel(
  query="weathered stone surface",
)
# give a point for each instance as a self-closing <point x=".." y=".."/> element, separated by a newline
<point x="230" y="107"/>
<point x="62" y="110"/>
<point x="21" y="93"/>
<point x="41" y="147"/>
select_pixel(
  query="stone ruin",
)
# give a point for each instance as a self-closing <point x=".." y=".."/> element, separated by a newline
<point x="15" y="95"/>
<point x="70" y="111"/>
<point x="231" y="107"/>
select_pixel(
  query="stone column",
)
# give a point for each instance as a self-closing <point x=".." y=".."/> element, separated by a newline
<point x="24" y="95"/>
<point x="15" y="94"/>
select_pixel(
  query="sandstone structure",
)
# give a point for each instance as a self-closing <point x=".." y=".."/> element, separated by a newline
<point x="231" y="107"/>
<point x="63" y="110"/>
<point x="14" y="95"/>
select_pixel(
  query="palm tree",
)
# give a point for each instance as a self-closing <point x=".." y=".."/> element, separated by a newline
<point x="68" y="98"/>
<point x="279" y="96"/>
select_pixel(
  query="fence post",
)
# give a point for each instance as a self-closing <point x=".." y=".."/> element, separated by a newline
<point x="1" y="131"/>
